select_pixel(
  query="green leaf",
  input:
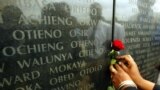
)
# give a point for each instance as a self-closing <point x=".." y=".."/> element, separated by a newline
<point x="111" y="53"/>
<point x="110" y="88"/>
<point x="113" y="61"/>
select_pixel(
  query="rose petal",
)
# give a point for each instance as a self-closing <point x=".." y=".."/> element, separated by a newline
<point x="117" y="45"/>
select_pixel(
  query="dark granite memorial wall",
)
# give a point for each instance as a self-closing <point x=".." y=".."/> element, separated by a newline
<point x="64" y="44"/>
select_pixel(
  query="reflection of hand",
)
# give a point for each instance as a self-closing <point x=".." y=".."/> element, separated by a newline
<point x="118" y="75"/>
<point x="128" y="64"/>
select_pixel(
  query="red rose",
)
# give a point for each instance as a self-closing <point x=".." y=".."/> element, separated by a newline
<point x="117" y="45"/>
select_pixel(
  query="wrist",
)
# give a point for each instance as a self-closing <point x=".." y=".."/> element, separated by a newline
<point x="139" y="82"/>
<point x="125" y="84"/>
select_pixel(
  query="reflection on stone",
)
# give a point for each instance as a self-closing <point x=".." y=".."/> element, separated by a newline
<point x="140" y="31"/>
<point x="56" y="45"/>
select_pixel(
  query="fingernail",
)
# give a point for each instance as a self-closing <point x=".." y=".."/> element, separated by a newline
<point x="120" y="63"/>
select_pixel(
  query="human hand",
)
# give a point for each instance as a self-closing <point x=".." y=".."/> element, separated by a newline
<point x="128" y="65"/>
<point x="118" y="75"/>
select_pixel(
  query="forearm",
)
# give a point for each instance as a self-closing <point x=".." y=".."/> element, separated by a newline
<point x="145" y="84"/>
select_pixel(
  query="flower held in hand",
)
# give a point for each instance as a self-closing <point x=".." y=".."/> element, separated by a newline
<point x="117" y="45"/>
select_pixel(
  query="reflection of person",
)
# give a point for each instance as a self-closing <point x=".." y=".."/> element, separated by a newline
<point x="59" y="18"/>
<point x="11" y="16"/>
<point x="100" y="32"/>
<point x="145" y="13"/>
<point x="126" y="74"/>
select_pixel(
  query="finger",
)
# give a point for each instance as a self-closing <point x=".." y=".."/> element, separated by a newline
<point x="124" y="62"/>
<point x="125" y="58"/>
<point x="124" y="67"/>
<point x="118" y="68"/>
<point x="112" y="69"/>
